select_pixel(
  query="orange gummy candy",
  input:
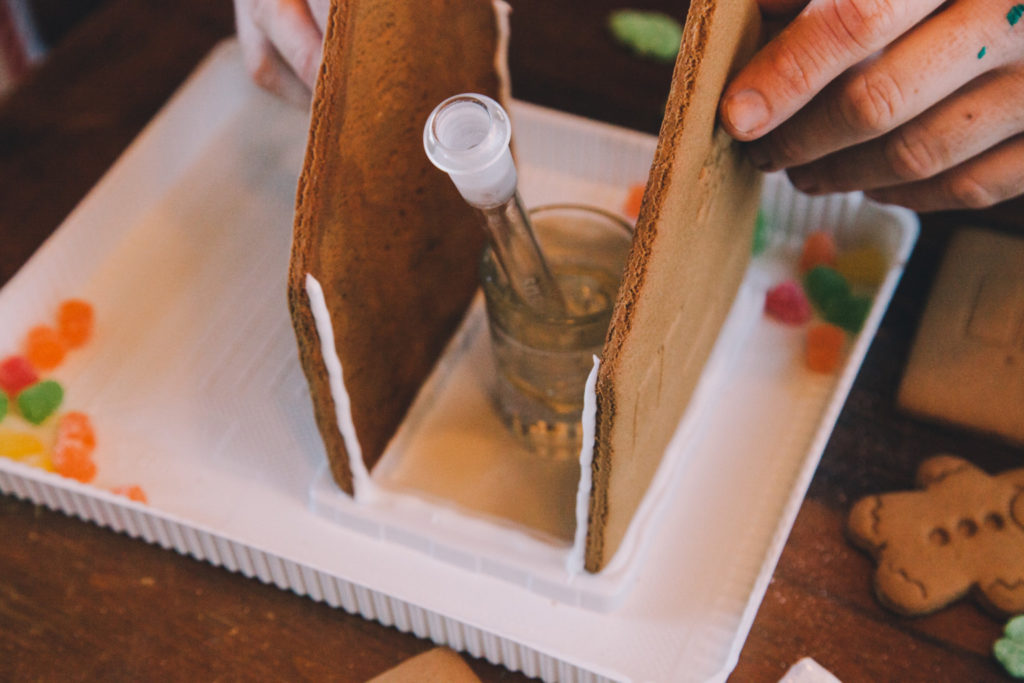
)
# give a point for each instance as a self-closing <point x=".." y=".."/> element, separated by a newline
<point x="631" y="207"/>
<point x="74" y="322"/>
<point x="825" y="347"/>
<point x="133" y="492"/>
<point x="819" y="250"/>
<point x="44" y="347"/>
<point x="72" y="451"/>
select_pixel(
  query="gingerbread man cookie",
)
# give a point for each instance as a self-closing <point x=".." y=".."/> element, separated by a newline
<point x="963" y="530"/>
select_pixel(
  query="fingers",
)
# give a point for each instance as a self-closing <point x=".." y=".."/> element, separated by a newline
<point x="906" y="79"/>
<point x="825" y="40"/>
<point x="978" y="117"/>
<point x="281" y="44"/>
<point x="985" y="180"/>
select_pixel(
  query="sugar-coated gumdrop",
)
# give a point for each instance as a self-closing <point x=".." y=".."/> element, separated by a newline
<point x="40" y="400"/>
<point x="631" y="207"/>
<point x="133" y="492"/>
<point x="16" y="373"/>
<point x="19" y="445"/>
<point x="819" y="250"/>
<point x="824" y="285"/>
<point x="650" y="34"/>
<point x="863" y="266"/>
<point x="72" y="450"/>
<point x="74" y="322"/>
<point x="1009" y="649"/>
<point x="44" y="348"/>
<point x="787" y="303"/>
<point x="848" y="312"/>
<point x="824" y="347"/>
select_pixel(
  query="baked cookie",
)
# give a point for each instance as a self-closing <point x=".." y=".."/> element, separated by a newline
<point x="964" y="530"/>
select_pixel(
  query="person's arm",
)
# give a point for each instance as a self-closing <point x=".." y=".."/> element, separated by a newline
<point x="917" y="102"/>
<point x="282" y="42"/>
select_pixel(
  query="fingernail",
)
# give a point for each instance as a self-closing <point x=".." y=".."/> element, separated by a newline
<point x="746" y="111"/>
<point x="758" y="154"/>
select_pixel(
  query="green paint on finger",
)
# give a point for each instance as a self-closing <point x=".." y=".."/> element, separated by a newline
<point x="981" y="52"/>
<point x="1015" y="13"/>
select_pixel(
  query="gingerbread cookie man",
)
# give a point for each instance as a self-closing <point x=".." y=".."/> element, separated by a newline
<point x="964" y="530"/>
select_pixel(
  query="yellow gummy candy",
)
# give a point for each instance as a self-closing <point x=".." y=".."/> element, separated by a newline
<point x="863" y="266"/>
<point x="18" y="445"/>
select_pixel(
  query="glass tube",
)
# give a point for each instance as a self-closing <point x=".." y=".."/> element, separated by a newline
<point x="467" y="136"/>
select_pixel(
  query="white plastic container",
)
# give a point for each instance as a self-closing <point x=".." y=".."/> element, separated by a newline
<point x="194" y="385"/>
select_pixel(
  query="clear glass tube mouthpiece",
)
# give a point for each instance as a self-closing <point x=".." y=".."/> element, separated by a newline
<point x="467" y="136"/>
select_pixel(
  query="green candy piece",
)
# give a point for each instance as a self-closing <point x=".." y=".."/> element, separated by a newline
<point x="1010" y="649"/>
<point x="848" y="312"/>
<point x="760" y="234"/>
<point x="648" y="34"/>
<point x="4" y="402"/>
<point x="824" y="285"/>
<point x="40" y="400"/>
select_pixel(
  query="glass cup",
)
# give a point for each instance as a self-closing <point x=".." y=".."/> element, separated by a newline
<point x="542" y="360"/>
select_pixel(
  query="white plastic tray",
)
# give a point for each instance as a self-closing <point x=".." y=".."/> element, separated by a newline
<point x="194" y="385"/>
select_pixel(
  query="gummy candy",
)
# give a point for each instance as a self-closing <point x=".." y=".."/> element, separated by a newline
<point x="1009" y="649"/>
<point x="824" y="284"/>
<point x="787" y="303"/>
<point x="72" y="451"/>
<point x="631" y="207"/>
<point x="16" y="373"/>
<point x="824" y="347"/>
<point x="133" y="492"/>
<point x="4" y="404"/>
<point x="819" y="250"/>
<point x="74" y="322"/>
<point x="848" y="312"/>
<point x="649" y="34"/>
<point x="760" y="242"/>
<point x="40" y="400"/>
<point x="863" y="266"/>
<point x="44" y="347"/>
<point x="19" y="445"/>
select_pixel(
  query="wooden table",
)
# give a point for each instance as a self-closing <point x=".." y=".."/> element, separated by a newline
<point x="80" y="602"/>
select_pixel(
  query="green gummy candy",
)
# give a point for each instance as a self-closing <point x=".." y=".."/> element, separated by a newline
<point x="40" y="400"/>
<point x="1015" y="628"/>
<point x="3" y="405"/>
<point x="650" y="34"/>
<point x="824" y="285"/>
<point x="848" y="312"/>
<point x="760" y="234"/>
<point x="1010" y="654"/>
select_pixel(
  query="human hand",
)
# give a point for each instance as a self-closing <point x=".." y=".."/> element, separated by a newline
<point x="917" y="102"/>
<point x="282" y="44"/>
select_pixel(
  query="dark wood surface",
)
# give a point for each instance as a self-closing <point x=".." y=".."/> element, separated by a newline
<point x="82" y="603"/>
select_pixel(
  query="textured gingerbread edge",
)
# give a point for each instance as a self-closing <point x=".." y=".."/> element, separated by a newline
<point x="310" y="357"/>
<point x="696" y="34"/>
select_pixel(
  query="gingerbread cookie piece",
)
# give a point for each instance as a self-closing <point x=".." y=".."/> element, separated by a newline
<point x="964" y="530"/>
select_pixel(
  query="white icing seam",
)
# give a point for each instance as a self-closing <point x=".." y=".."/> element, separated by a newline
<point x="574" y="562"/>
<point x="362" y="485"/>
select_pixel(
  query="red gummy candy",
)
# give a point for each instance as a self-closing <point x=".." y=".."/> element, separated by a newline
<point x="825" y="347"/>
<point x="133" y="492"/>
<point x="74" y="322"/>
<point x="787" y="303"/>
<point x="819" y="250"/>
<point x="44" y="348"/>
<point x="16" y="373"/>
<point x="72" y="451"/>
